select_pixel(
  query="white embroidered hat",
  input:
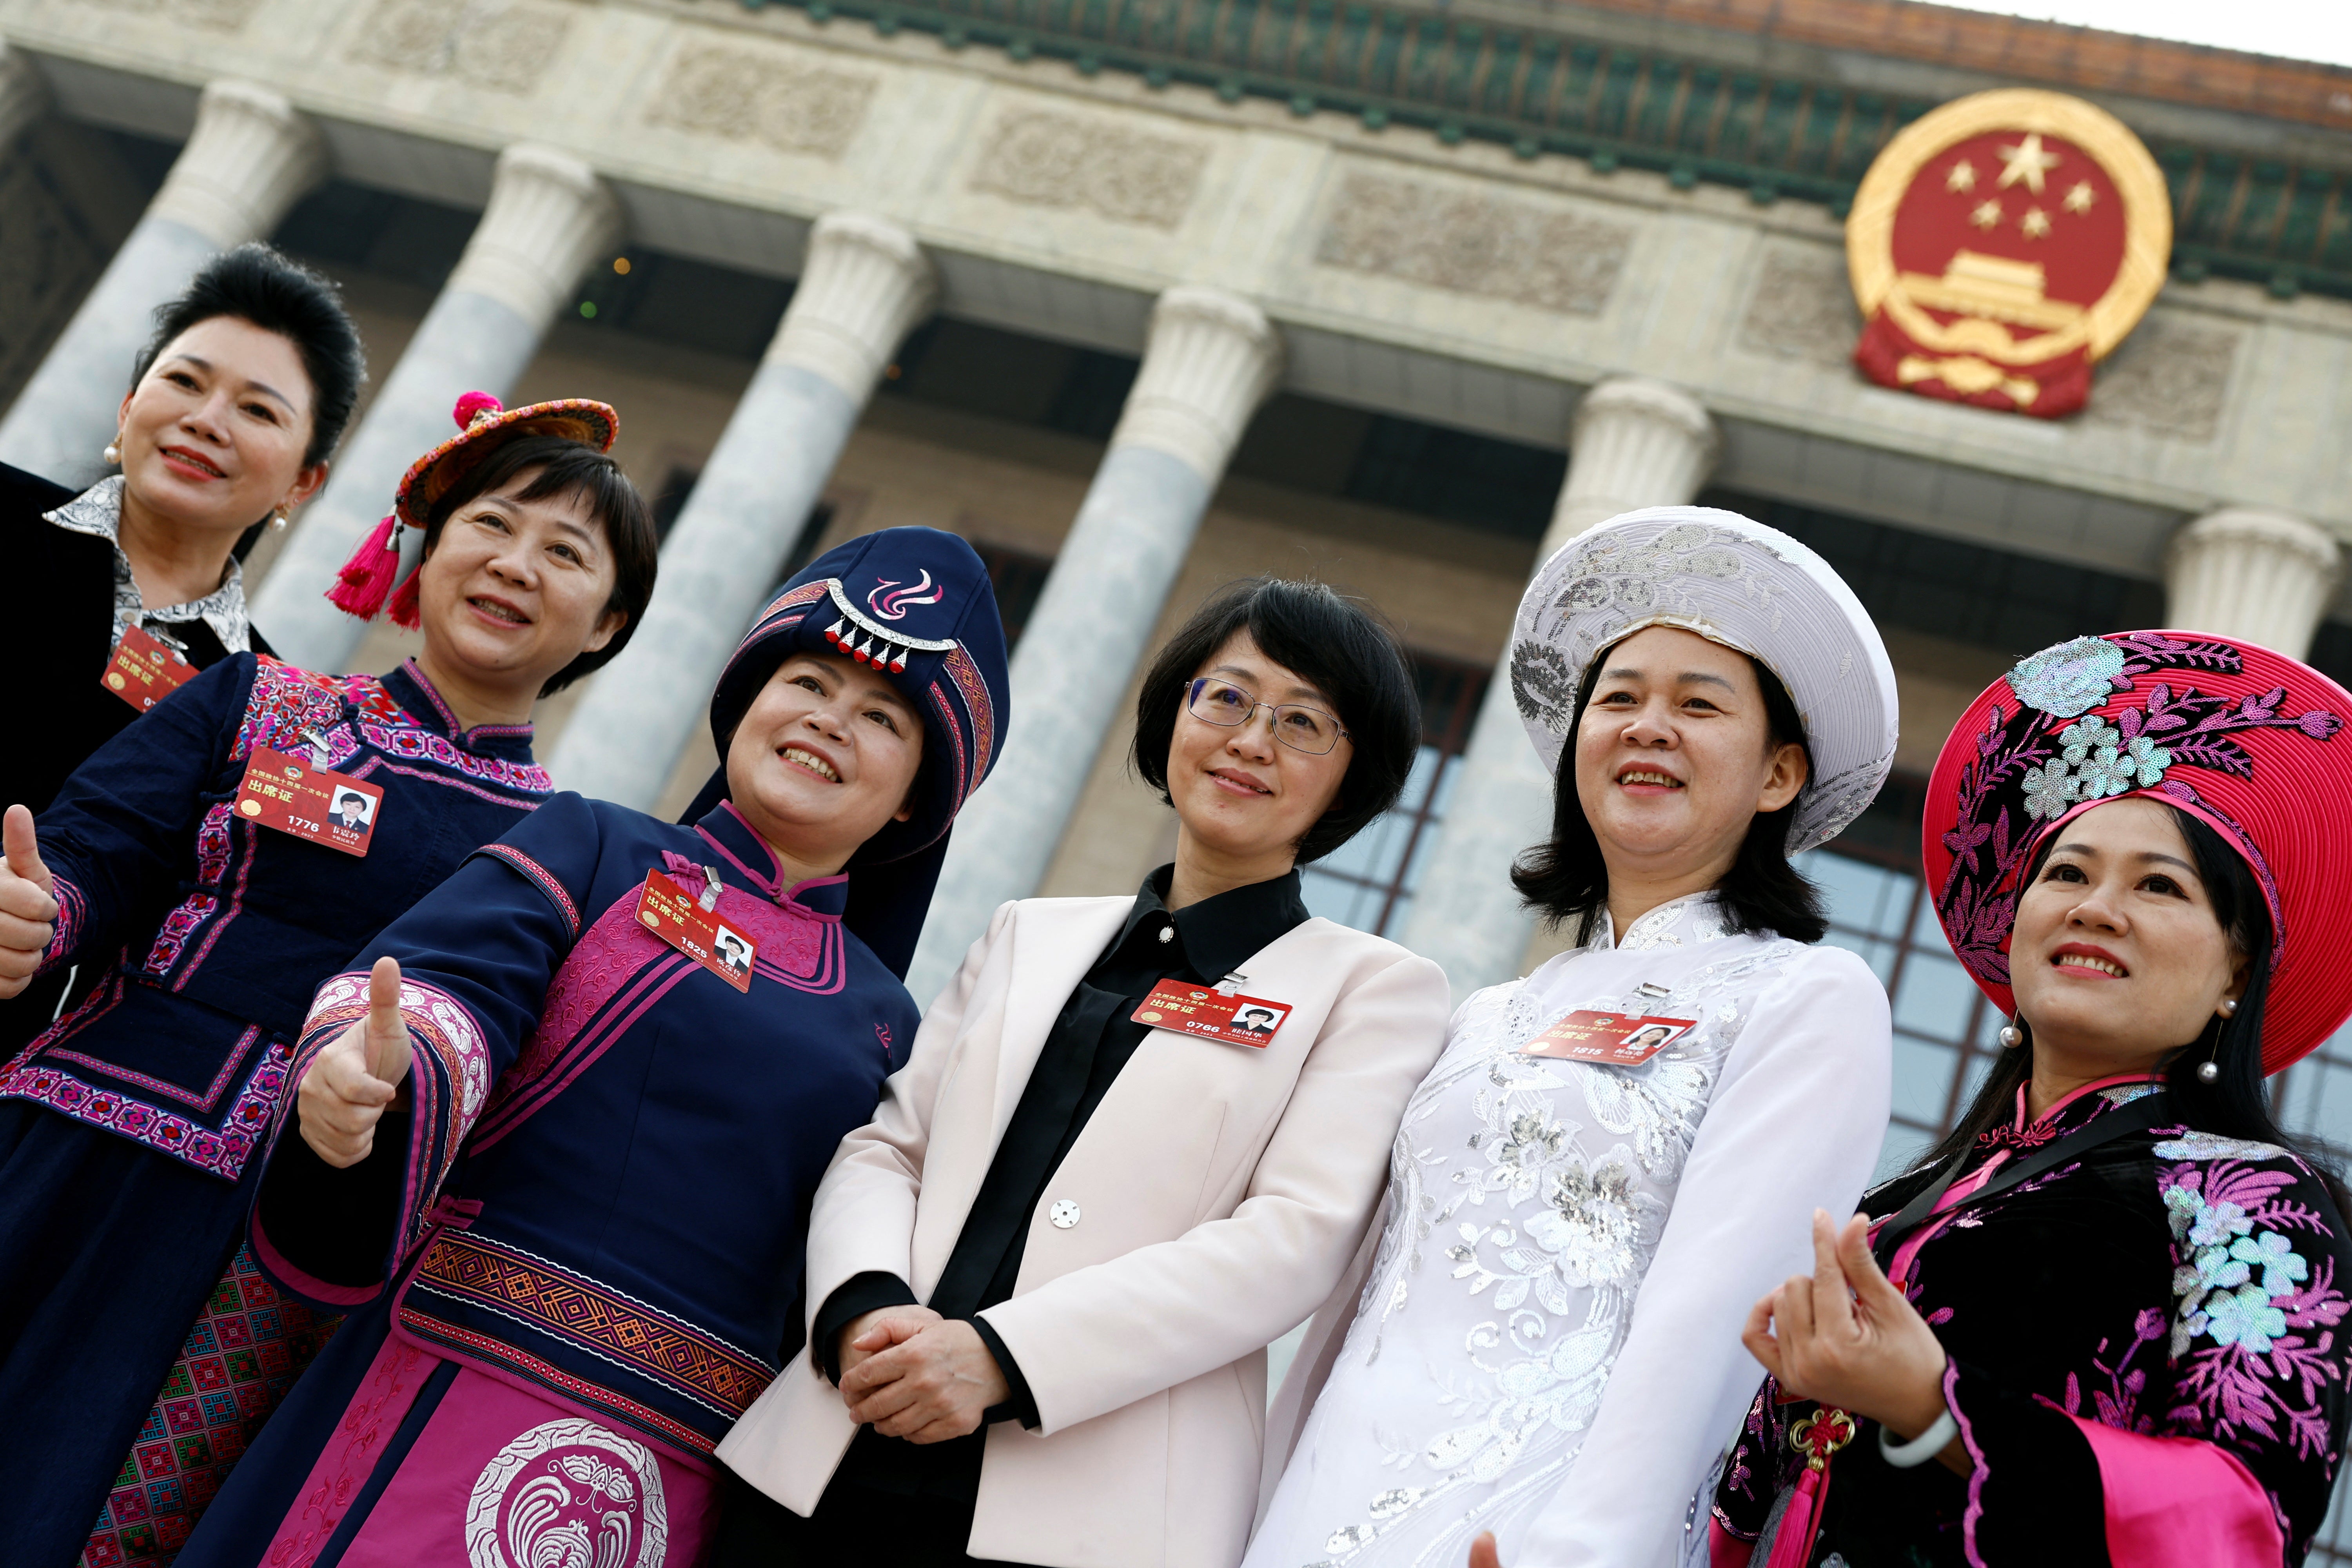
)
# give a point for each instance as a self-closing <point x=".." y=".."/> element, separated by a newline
<point x="1734" y="581"/>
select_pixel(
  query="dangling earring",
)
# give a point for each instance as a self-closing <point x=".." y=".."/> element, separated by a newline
<point x="2209" y="1070"/>
<point x="277" y="522"/>
<point x="113" y="453"/>
<point x="2010" y="1036"/>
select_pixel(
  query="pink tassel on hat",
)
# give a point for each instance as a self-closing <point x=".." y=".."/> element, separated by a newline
<point x="405" y="613"/>
<point x="367" y="577"/>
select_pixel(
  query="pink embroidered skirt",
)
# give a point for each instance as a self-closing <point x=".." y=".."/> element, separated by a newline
<point x="497" y="1476"/>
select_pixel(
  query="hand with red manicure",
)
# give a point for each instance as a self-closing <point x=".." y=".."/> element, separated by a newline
<point x="357" y="1077"/>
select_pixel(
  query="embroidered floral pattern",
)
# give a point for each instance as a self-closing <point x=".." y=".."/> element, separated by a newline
<point x="2050" y="754"/>
<point x="2070" y="678"/>
<point x="223" y="1153"/>
<point x="2254" y="1322"/>
<point x="412" y="744"/>
<point x="1528" y="1197"/>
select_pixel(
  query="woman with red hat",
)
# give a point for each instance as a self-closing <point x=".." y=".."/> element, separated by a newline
<point x="208" y="860"/>
<point x="559" y="1125"/>
<point x="2104" y="1321"/>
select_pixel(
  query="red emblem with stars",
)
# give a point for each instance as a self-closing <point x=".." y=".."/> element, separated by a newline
<point x="2001" y="246"/>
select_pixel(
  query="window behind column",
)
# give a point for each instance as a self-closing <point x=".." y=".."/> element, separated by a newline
<point x="1369" y="882"/>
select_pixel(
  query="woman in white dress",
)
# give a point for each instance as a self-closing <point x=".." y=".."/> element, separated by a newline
<point x="1543" y="1340"/>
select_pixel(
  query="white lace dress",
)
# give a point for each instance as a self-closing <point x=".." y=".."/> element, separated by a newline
<point x="1547" y="1344"/>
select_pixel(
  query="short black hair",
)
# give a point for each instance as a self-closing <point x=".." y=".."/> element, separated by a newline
<point x="566" y="467"/>
<point x="255" y="284"/>
<point x="350" y="795"/>
<point x="1338" y="645"/>
<point x="1566" y="878"/>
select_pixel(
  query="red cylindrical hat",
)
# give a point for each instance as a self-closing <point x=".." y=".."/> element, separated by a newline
<point x="2247" y="739"/>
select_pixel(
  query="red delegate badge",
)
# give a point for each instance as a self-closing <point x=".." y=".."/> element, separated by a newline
<point x="677" y="917"/>
<point x="1612" y="1039"/>
<point x="1212" y="1013"/>
<point x="145" y="669"/>
<point x="318" y="804"/>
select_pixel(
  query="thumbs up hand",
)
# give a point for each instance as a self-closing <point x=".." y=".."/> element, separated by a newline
<point x="28" y="905"/>
<point x="349" y="1085"/>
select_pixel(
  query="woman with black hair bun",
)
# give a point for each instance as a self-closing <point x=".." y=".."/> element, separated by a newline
<point x="134" y="586"/>
<point x="1138" y="1141"/>
<point x="208" y="868"/>
<point x="1616" y="1154"/>
<point x="2103" y="1322"/>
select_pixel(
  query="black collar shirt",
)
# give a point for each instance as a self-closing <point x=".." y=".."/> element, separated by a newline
<point x="1090" y="1043"/>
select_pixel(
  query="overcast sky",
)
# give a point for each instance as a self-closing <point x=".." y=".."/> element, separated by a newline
<point x="2295" y="29"/>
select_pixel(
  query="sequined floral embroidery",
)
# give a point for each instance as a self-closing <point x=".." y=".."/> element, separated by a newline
<point x="1548" y="1217"/>
<point x="2254" y="1321"/>
<point x="2070" y="678"/>
<point x="2050" y="754"/>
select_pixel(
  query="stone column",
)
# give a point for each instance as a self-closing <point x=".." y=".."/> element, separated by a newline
<point x="2246" y="573"/>
<point x="24" y="96"/>
<point x="548" y="219"/>
<point x="250" y="156"/>
<point x="1210" y="360"/>
<point x="865" y="285"/>
<point x="1633" y="443"/>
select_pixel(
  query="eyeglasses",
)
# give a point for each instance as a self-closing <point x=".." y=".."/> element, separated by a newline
<point x="1302" y="729"/>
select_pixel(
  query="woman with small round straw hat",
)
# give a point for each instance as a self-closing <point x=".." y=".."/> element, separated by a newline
<point x="1616" y="1154"/>
<point x="2103" y="1322"/>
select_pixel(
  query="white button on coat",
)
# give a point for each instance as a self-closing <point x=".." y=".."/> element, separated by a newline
<point x="1167" y="933"/>
<point x="1064" y="1214"/>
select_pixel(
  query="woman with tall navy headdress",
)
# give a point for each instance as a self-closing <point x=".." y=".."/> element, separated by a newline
<point x="559" y="1167"/>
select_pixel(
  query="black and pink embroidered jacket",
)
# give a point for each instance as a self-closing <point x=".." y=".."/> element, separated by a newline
<point x="2148" y="1364"/>
<point x="214" y="932"/>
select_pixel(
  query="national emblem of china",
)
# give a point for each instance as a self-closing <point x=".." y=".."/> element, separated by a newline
<point x="2001" y="246"/>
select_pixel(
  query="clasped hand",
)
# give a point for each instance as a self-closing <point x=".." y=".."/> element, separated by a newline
<point x="357" y="1077"/>
<point x="908" y="1373"/>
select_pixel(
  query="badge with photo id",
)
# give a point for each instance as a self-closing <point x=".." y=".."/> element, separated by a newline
<point x="145" y="669"/>
<point x="681" y="919"/>
<point x="1213" y="1014"/>
<point x="1612" y="1039"/>
<point x="292" y="795"/>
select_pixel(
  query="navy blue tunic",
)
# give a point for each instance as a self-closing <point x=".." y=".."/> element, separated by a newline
<point x="601" y="1193"/>
<point x="127" y="1129"/>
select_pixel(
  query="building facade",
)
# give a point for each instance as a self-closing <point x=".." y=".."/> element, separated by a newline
<point x="1144" y="295"/>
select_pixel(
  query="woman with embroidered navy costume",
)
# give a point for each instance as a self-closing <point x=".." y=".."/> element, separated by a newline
<point x="129" y="1130"/>
<point x="236" y="404"/>
<point x="575" y="1246"/>
<point x="2103" y="1322"/>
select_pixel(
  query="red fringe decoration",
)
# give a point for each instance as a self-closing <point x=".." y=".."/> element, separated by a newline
<point x="361" y="586"/>
<point x="405" y="613"/>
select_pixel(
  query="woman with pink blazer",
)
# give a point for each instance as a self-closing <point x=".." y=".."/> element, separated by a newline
<point x="1041" y="1282"/>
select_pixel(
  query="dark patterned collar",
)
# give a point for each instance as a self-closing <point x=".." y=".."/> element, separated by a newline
<point x="745" y="854"/>
<point x="410" y="686"/>
<point x="2079" y="1109"/>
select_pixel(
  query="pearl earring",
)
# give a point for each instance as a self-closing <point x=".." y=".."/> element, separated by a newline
<point x="2229" y="1007"/>
<point x="277" y="522"/>
<point x="2010" y="1036"/>
<point x="113" y="452"/>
